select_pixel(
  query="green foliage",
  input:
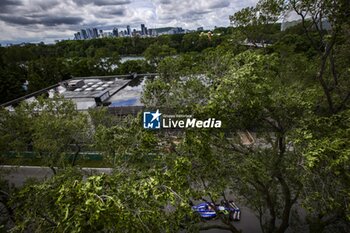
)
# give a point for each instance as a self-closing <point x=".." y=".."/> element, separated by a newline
<point x="171" y="68"/>
<point x="156" y="93"/>
<point x="275" y="94"/>
<point x="135" y="66"/>
<point x="46" y="72"/>
<point x="129" y="201"/>
<point x="155" y="52"/>
<point x="50" y="127"/>
<point x="258" y="23"/>
<point x="127" y="143"/>
<point x="324" y="144"/>
<point x="251" y="96"/>
<point x="181" y="85"/>
<point x="195" y="42"/>
<point x="11" y="80"/>
<point x="6" y="190"/>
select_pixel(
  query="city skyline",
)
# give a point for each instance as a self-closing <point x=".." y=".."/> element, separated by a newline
<point x="49" y="20"/>
<point x="94" y="33"/>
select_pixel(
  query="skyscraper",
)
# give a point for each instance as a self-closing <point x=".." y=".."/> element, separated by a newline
<point x="143" y="29"/>
<point x="83" y="34"/>
<point x="128" y="30"/>
<point x="115" y="32"/>
<point x="90" y="33"/>
<point x="77" y="36"/>
<point x="95" y="32"/>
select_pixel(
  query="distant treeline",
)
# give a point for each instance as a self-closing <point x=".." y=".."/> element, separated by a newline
<point x="122" y="45"/>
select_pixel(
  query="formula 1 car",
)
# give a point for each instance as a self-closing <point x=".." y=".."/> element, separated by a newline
<point x="208" y="210"/>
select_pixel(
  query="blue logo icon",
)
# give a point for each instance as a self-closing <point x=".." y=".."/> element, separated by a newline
<point x="151" y="120"/>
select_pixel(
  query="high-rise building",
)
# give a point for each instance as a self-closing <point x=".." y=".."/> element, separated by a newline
<point x="90" y="33"/>
<point x="77" y="36"/>
<point x="83" y="34"/>
<point x="200" y="29"/>
<point x="143" y="29"/>
<point x="115" y="32"/>
<point x="152" y="32"/>
<point x="101" y="31"/>
<point x="128" y="30"/>
<point x="95" y="32"/>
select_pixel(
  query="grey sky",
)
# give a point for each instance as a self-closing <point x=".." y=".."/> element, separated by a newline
<point x="47" y="20"/>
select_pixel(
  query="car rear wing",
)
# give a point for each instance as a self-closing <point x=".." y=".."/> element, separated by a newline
<point x="233" y="205"/>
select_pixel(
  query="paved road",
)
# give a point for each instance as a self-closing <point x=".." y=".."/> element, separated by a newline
<point x="18" y="175"/>
<point x="249" y="223"/>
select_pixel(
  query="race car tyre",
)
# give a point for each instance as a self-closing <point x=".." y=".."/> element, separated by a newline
<point x="235" y="215"/>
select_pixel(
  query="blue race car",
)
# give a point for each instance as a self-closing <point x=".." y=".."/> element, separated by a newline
<point x="208" y="210"/>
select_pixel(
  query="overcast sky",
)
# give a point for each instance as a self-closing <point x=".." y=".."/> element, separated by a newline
<point x="48" y="20"/>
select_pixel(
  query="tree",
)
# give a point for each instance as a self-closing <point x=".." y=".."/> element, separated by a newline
<point x="156" y="52"/>
<point x="265" y="175"/>
<point x="106" y="64"/>
<point x="314" y="15"/>
<point x="6" y="210"/>
<point x="134" y="66"/>
<point x="323" y="138"/>
<point x="51" y="128"/>
<point x="258" y="23"/>
<point x="248" y="96"/>
<point x="11" y="83"/>
<point x="147" y="192"/>
<point x="46" y="72"/>
<point x="323" y="143"/>
<point x="127" y="143"/>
